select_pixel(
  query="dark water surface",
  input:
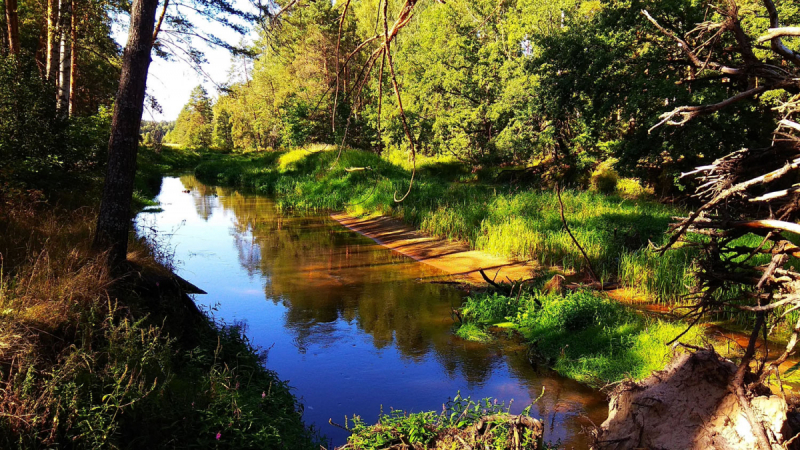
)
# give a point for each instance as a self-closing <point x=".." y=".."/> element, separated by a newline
<point x="351" y="325"/>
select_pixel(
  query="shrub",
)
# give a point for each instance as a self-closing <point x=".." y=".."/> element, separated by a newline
<point x="604" y="178"/>
<point x="632" y="189"/>
<point x="39" y="147"/>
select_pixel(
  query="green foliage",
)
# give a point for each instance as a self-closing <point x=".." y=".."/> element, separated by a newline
<point x="427" y="429"/>
<point x="472" y="332"/>
<point x="583" y="335"/>
<point x="604" y="178"/>
<point x="604" y="77"/>
<point x="40" y="148"/>
<point x="153" y="133"/>
<point x="490" y="307"/>
<point x="139" y="389"/>
<point x="223" y="139"/>
<point x="554" y="87"/>
<point x="194" y="126"/>
<point x="287" y="97"/>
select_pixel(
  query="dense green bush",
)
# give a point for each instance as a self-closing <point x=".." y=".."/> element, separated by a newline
<point x="604" y="178"/>
<point x="40" y="147"/>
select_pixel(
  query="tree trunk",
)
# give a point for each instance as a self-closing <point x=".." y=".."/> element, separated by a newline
<point x="65" y="69"/>
<point x="12" y="20"/>
<point x="3" y="35"/>
<point x="52" y="40"/>
<point x="113" y="222"/>
<point x="73" y="64"/>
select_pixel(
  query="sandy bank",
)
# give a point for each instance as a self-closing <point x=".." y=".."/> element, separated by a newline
<point x="454" y="258"/>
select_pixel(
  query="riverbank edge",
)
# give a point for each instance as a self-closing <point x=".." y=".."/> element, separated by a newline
<point x="97" y="359"/>
<point x="451" y="257"/>
<point x="458" y="260"/>
<point x="281" y="174"/>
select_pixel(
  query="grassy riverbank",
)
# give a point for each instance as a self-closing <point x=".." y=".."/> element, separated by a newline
<point x="448" y="201"/>
<point x="582" y="335"/>
<point x="91" y="360"/>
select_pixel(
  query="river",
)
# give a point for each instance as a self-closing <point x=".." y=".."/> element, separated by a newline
<point x="353" y="327"/>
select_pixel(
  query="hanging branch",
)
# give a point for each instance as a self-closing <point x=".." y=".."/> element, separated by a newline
<point x="338" y="72"/>
<point x="385" y="53"/>
<point x="575" y="241"/>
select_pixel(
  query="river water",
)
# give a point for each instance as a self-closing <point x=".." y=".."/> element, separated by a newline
<point x="353" y="327"/>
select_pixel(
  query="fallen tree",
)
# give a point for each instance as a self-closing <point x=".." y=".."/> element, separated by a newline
<point x="749" y="192"/>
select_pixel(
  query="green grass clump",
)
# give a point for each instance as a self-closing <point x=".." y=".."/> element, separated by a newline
<point x="583" y="335"/>
<point x="438" y="430"/>
<point x="490" y="308"/>
<point x="447" y="201"/>
<point x="473" y="332"/>
<point x="597" y="341"/>
<point x="665" y="278"/>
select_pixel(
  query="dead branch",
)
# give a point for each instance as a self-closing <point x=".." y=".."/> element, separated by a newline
<point x="575" y="241"/>
<point x="779" y="32"/>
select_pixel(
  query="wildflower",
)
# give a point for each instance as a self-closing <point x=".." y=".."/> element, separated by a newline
<point x="219" y="435"/>
<point x="263" y="394"/>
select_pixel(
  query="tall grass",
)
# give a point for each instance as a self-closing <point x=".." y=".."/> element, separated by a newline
<point x="89" y="361"/>
<point x="448" y="201"/>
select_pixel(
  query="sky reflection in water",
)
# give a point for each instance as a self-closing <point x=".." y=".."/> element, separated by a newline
<point x="352" y="326"/>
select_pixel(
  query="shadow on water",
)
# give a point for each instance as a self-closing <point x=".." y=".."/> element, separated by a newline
<point x="348" y="323"/>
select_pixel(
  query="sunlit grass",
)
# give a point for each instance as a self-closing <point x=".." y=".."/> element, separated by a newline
<point x="582" y="335"/>
<point x="501" y="220"/>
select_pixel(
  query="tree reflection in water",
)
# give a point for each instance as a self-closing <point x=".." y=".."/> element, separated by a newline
<point x="352" y="325"/>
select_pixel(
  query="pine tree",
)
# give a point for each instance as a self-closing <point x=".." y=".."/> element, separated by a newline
<point x="223" y="138"/>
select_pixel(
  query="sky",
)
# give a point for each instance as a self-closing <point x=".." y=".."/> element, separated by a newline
<point x="171" y="82"/>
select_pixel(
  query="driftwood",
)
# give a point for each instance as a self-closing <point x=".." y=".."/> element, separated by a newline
<point x="749" y="191"/>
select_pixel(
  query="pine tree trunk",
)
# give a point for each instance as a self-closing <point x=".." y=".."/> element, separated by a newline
<point x="65" y="69"/>
<point x="52" y="40"/>
<point x="73" y="64"/>
<point x="12" y="21"/>
<point x="114" y="220"/>
<point x="3" y="35"/>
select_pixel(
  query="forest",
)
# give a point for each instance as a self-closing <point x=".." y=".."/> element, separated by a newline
<point x="608" y="189"/>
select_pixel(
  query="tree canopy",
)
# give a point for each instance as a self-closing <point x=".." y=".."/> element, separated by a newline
<point x="195" y="124"/>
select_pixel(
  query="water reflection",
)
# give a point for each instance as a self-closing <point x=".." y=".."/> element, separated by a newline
<point x="352" y="325"/>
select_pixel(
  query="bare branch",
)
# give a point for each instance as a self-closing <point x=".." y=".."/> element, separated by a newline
<point x="689" y="52"/>
<point x="775" y="41"/>
<point x="160" y="20"/>
<point x="779" y="32"/>
<point x="687" y="113"/>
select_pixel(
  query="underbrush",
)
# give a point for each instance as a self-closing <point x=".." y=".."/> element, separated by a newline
<point x="92" y="361"/>
<point x="462" y="423"/>
<point x="582" y="335"/>
<point x="500" y="219"/>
